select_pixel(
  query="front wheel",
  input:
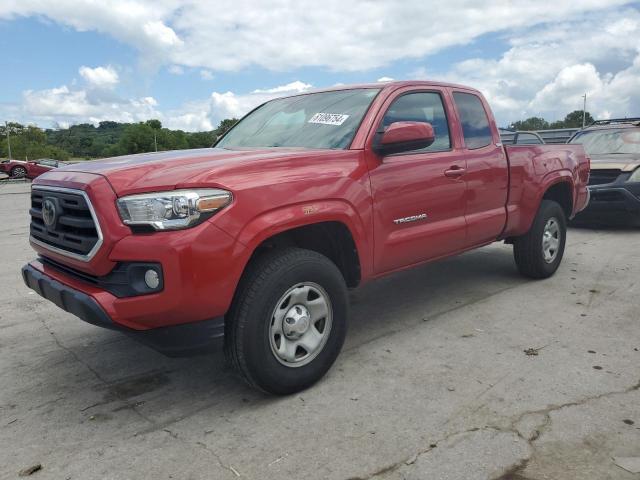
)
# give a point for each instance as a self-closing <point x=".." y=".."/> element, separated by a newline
<point x="288" y="321"/>
<point x="539" y="252"/>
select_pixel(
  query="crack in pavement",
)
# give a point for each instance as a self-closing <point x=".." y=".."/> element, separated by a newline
<point x="94" y="372"/>
<point x="511" y="471"/>
<point x="205" y="447"/>
<point x="428" y="318"/>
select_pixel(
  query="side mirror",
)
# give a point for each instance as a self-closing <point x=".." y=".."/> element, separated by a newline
<point x="404" y="137"/>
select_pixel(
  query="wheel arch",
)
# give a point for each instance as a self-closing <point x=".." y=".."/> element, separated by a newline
<point x="561" y="192"/>
<point x="337" y="222"/>
<point x="331" y="238"/>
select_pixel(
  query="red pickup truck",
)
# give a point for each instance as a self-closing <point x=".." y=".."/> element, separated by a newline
<point x="256" y="241"/>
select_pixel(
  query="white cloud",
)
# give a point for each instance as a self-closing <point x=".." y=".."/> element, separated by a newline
<point x="192" y="117"/>
<point x="161" y="35"/>
<point x="607" y="94"/>
<point x="176" y="70"/>
<point x="229" y="104"/>
<point x="100" y="77"/>
<point x="208" y="113"/>
<point x="554" y="55"/>
<point x="546" y="70"/>
<point x="206" y="74"/>
<point x="293" y="87"/>
<point x="70" y="105"/>
<point x="385" y="79"/>
<point x="64" y="105"/>
<point x="342" y="35"/>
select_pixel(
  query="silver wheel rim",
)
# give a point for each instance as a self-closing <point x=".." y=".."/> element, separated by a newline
<point x="551" y="237"/>
<point x="19" y="172"/>
<point x="300" y="324"/>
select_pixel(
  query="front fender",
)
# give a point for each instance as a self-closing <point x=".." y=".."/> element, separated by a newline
<point x="288" y="217"/>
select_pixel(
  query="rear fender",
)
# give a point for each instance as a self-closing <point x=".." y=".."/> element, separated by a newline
<point x="522" y="214"/>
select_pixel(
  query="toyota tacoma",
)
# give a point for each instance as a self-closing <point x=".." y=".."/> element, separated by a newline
<point x="254" y="243"/>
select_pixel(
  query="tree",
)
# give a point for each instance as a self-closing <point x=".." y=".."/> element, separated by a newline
<point x="29" y="143"/>
<point x="108" y="139"/>
<point x="574" y="119"/>
<point x="155" y="124"/>
<point x="531" y="123"/>
<point x="137" y="138"/>
<point x="225" y="125"/>
<point x="201" y="139"/>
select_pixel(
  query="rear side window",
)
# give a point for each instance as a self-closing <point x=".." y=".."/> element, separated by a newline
<point x="421" y="107"/>
<point x="475" y="124"/>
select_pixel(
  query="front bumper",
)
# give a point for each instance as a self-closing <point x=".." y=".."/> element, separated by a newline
<point x="617" y="203"/>
<point x="179" y="340"/>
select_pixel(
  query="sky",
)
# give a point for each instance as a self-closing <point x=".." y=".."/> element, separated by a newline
<point x="193" y="63"/>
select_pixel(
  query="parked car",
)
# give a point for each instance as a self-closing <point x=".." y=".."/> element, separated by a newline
<point x="614" y="184"/>
<point x="256" y="241"/>
<point x="520" y="137"/>
<point x="28" y="169"/>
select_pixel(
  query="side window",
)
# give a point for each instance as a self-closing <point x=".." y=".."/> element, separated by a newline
<point x="475" y="124"/>
<point x="421" y="107"/>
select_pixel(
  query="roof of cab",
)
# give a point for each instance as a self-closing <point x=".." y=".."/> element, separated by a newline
<point x="391" y="85"/>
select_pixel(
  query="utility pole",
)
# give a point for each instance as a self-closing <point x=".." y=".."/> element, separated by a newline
<point x="584" y="109"/>
<point x="6" y="127"/>
<point x="155" y="139"/>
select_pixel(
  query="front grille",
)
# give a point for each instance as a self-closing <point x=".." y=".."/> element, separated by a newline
<point x="72" y="228"/>
<point x="601" y="177"/>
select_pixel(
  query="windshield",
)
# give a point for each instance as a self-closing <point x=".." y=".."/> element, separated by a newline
<point x="315" y="120"/>
<point x="614" y="141"/>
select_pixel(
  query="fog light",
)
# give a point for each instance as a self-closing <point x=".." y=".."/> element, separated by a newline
<point x="152" y="279"/>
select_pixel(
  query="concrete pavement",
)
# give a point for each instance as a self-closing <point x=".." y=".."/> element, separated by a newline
<point x="433" y="383"/>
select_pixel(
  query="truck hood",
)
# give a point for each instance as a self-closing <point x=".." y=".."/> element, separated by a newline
<point x="191" y="168"/>
<point x="624" y="161"/>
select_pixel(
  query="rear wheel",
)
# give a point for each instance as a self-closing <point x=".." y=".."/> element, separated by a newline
<point x="539" y="252"/>
<point x="288" y="321"/>
<point x="18" y="172"/>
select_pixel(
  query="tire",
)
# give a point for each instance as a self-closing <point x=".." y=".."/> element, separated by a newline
<point x="534" y="252"/>
<point x="268" y="301"/>
<point x="18" y="172"/>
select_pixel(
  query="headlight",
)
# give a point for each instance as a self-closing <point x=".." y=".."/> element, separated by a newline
<point x="635" y="176"/>
<point x="172" y="210"/>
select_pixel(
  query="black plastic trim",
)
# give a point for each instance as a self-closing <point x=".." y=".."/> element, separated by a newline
<point x="125" y="280"/>
<point x="174" y="341"/>
<point x="627" y="200"/>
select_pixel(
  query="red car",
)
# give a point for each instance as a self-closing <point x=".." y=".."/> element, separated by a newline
<point x="256" y="241"/>
<point x="30" y="169"/>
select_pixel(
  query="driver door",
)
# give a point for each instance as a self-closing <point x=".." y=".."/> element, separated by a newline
<point x="419" y="196"/>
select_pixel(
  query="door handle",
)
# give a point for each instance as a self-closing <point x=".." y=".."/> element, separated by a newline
<point x="455" y="172"/>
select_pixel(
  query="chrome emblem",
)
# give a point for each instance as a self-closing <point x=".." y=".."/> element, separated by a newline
<point x="412" y="218"/>
<point x="49" y="213"/>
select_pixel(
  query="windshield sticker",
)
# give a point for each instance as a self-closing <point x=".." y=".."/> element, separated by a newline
<point x="329" y="118"/>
